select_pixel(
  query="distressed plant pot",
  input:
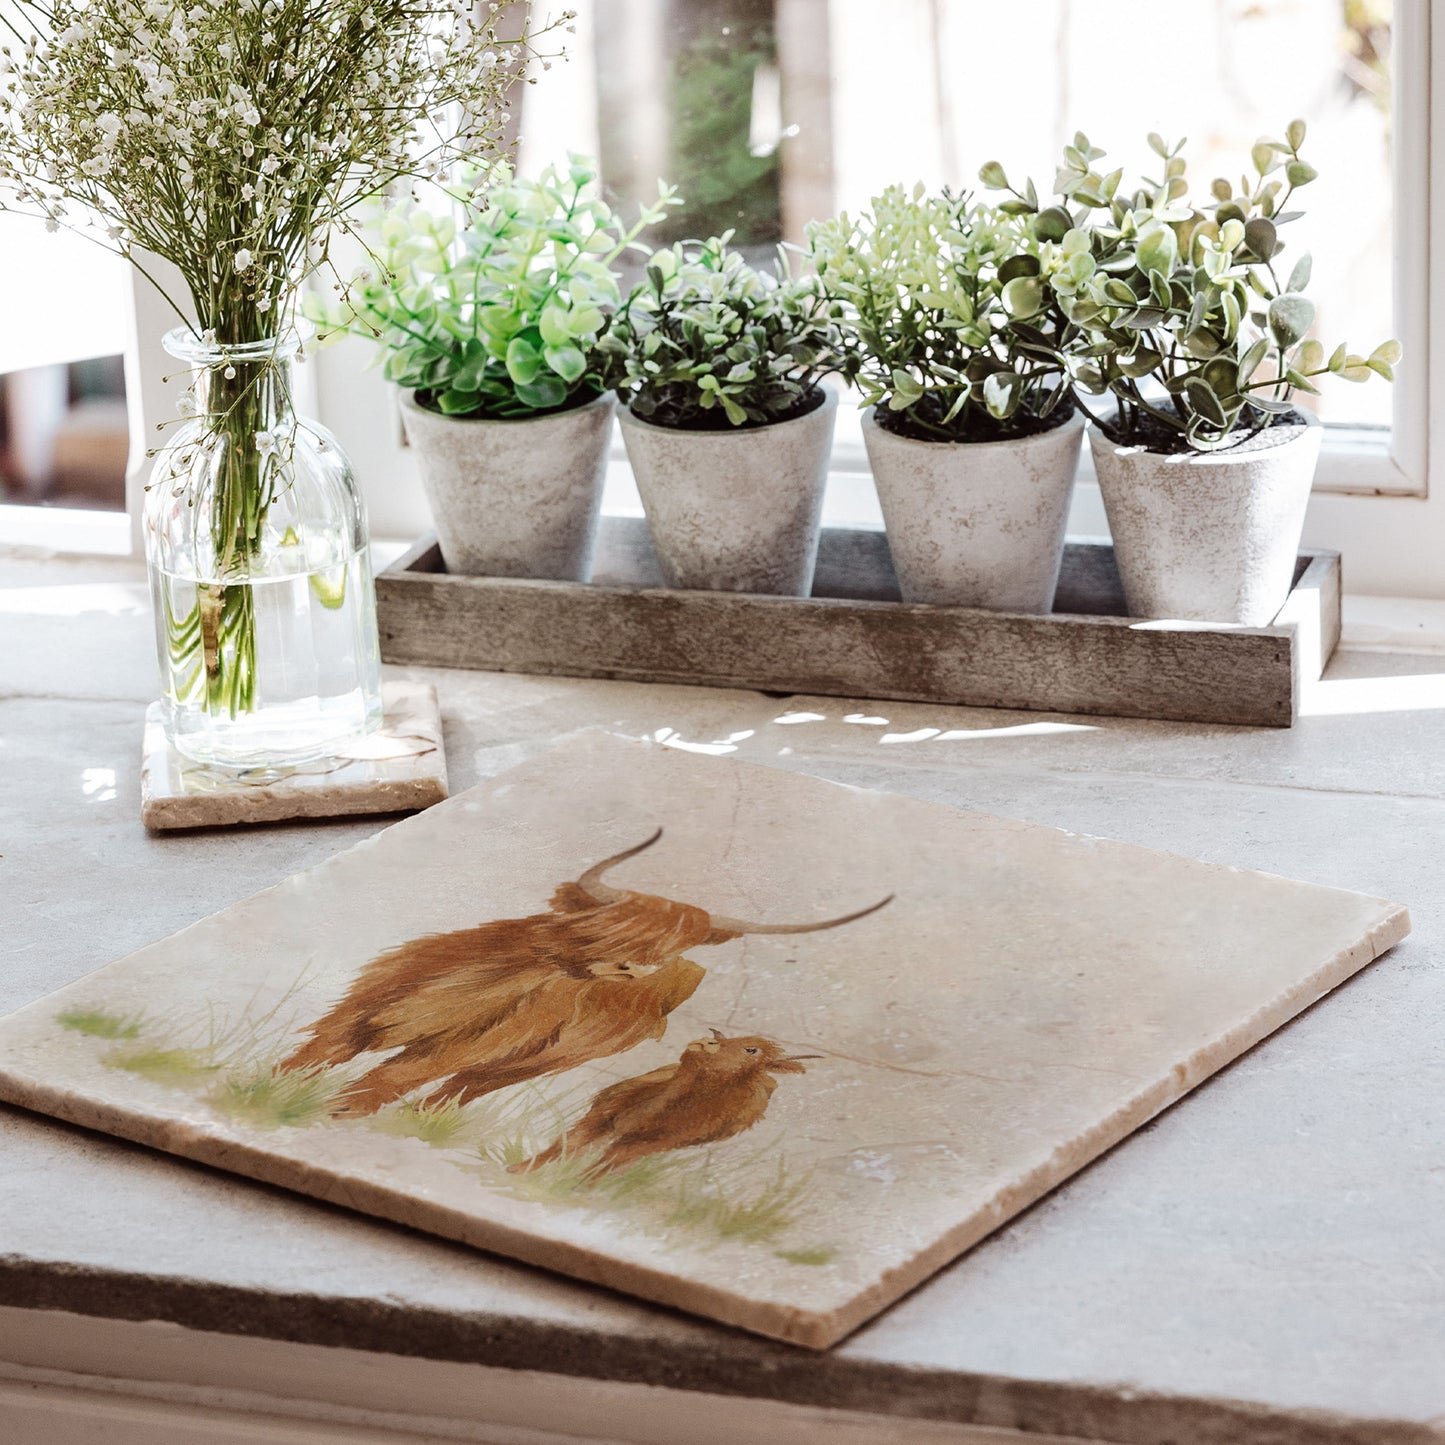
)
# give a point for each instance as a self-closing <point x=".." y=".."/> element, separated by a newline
<point x="976" y="524"/>
<point x="1209" y="536"/>
<point x="515" y="498"/>
<point x="735" y="511"/>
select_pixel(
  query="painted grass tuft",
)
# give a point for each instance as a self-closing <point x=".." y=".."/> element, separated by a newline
<point x="99" y="1024"/>
<point x="708" y="1206"/>
<point x="440" y="1125"/>
<point x="814" y="1254"/>
<point x="160" y="1065"/>
<point x="276" y="1098"/>
<point x="573" y="1178"/>
<point x="679" y="1192"/>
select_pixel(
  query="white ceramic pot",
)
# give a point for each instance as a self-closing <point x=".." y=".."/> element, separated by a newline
<point x="1209" y="536"/>
<point x="735" y="511"/>
<point x="976" y="524"/>
<point x="515" y="498"/>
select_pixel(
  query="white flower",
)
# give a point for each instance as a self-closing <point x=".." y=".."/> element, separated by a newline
<point x="186" y="404"/>
<point x="243" y="260"/>
<point x="266" y="442"/>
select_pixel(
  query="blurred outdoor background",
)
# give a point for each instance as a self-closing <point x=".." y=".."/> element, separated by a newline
<point x="768" y="113"/>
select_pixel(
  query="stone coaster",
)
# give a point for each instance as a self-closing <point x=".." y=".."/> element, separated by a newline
<point x="740" y="1041"/>
<point x="400" y="768"/>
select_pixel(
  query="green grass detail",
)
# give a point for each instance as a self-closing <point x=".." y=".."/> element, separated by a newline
<point x="814" y="1254"/>
<point x="160" y="1065"/>
<point x="682" y="1192"/>
<point x="709" y="1207"/>
<point x="276" y="1098"/>
<point x="98" y="1024"/>
<point x="439" y="1125"/>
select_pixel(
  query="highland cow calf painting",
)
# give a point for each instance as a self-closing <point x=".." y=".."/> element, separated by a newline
<point x="739" y="1041"/>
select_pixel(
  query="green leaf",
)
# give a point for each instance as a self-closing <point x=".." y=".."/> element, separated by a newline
<point x="1299" y="277"/>
<point x="1338" y="358"/>
<point x="1388" y="351"/>
<point x="543" y="394"/>
<point x="1300" y="381"/>
<point x="554" y="327"/>
<point x="1300" y="173"/>
<point x="1157" y="145"/>
<point x="1204" y="401"/>
<point x="1294" y="133"/>
<point x="1290" y="316"/>
<point x="1021" y="265"/>
<point x="567" y="361"/>
<point x="1024" y="297"/>
<point x="457" y="403"/>
<point x="906" y="390"/>
<point x="524" y="361"/>
<point x="1261" y="238"/>
<point x="1001" y="394"/>
<point x="1158" y="250"/>
<point x="1053" y="224"/>
<point x="1381" y="368"/>
<point x="993" y="175"/>
<point x="1310" y="357"/>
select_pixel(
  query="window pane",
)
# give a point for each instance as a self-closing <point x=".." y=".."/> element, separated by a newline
<point x="768" y="112"/>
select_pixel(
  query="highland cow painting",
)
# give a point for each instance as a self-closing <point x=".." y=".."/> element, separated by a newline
<point x="740" y="1041"/>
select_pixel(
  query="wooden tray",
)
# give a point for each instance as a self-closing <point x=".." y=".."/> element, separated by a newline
<point x="854" y="638"/>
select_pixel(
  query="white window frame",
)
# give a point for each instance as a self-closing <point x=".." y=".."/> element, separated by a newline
<point x="1373" y="498"/>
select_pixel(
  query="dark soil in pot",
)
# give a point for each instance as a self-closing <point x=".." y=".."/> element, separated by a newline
<point x="923" y="423"/>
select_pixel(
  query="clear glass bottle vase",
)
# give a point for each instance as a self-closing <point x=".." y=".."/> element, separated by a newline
<point x="260" y="574"/>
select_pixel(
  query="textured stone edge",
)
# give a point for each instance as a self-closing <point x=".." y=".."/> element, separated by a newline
<point x="262" y="805"/>
<point x="718" y="1362"/>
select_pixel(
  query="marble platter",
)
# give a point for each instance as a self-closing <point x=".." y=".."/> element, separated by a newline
<point x="775" y="1065"/>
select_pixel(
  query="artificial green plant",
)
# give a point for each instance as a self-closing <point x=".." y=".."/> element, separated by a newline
<point x="497" y="315"/>
<point x="952" y="330"/>
<point x="1182" y="314"/>
<point x="707" y="342"/>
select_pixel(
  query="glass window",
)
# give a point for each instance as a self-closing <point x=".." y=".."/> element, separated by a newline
<point x="766" y="113"/>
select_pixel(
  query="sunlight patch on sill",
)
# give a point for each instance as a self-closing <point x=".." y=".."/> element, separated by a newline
<point x="1348" y="696"/>
<point x="670" y="738"/>
<point x="1015" y="730"/>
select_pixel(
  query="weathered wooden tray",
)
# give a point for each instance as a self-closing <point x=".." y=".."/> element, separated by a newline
<point x="854" y="638"/>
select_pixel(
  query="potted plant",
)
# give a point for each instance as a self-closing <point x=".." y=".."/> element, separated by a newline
<point x="491" y="327"/>
<point x="726" y="422"/>
<point x="1183" y="317"/>
<point x="971" y="430"/>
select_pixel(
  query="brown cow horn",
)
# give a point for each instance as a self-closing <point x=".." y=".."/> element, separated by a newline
<point x="591" y="881"/>
<point x="736" y="925"/>
<point x="798" y="1058"/>
<point x="716" y="1033"/>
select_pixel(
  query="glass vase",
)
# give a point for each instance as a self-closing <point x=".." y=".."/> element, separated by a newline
<point x="260" y="575"/>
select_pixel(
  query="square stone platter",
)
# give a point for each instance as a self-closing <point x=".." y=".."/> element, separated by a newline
<point x="854" y="637"/>
<point x="676" y="1083"/>
<point x="401" y="767"/>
